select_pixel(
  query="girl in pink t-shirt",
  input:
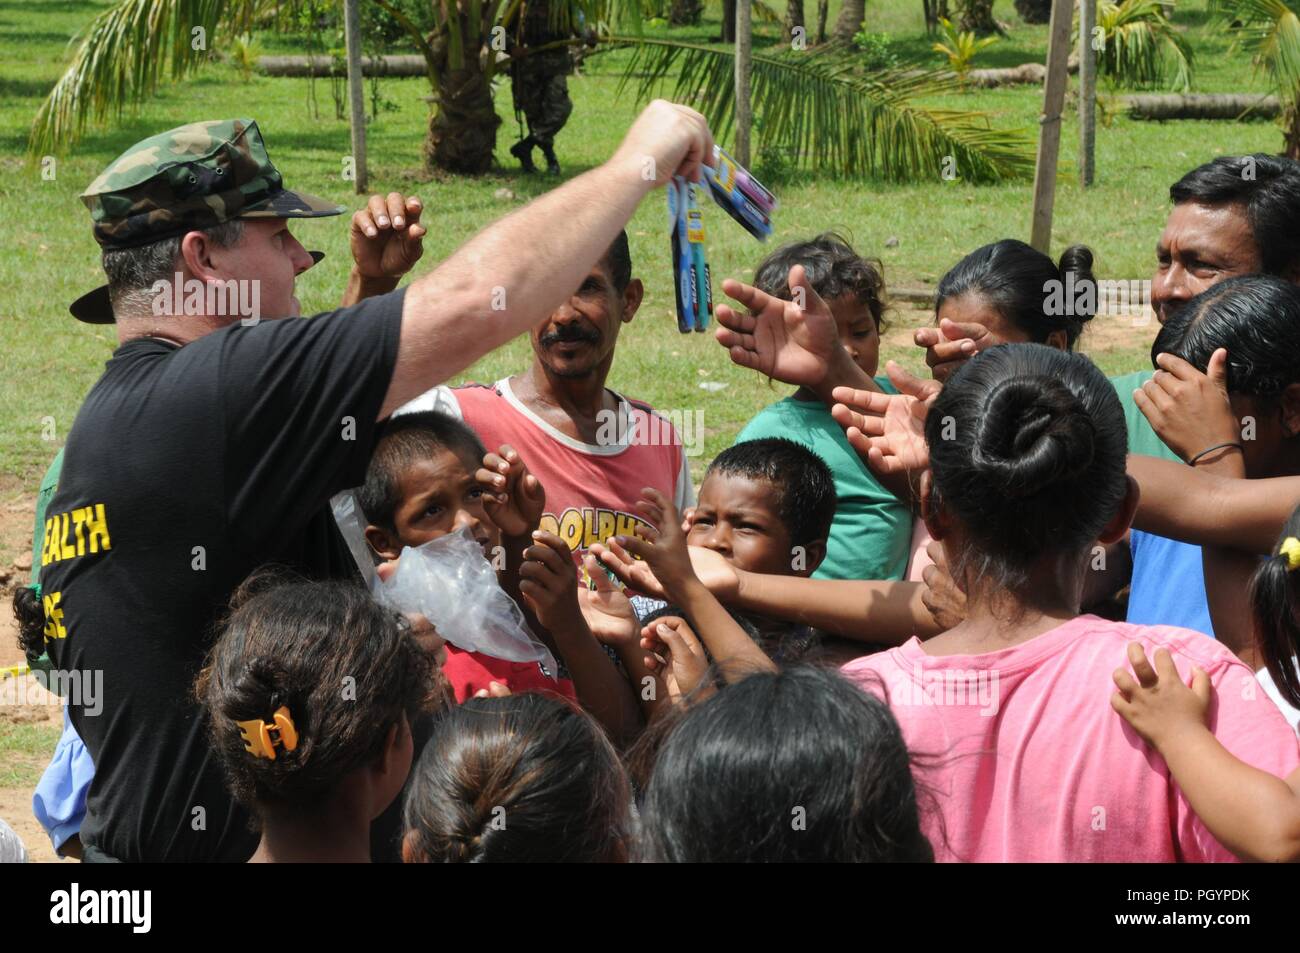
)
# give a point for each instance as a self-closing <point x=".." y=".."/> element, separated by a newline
<point x="1027" y="450"/>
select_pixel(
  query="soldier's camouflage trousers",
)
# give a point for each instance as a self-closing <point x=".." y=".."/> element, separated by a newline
<point x="544" y="101"/>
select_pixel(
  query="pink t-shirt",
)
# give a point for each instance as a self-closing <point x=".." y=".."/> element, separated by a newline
<point x="1030" y="763"/>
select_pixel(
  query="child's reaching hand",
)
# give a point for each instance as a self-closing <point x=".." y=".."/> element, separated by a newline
<point x="675" y="655"/>
<point x="662" y="545"/>
<point x="547" y="582"/>
<point x="712" y="568"/>
<point x="1252" y="813"/>
<point x="516" y="498"/>
<point x="1159" y="705"/>
<point x="663" y="550"/>
<point x="607" y="609"/>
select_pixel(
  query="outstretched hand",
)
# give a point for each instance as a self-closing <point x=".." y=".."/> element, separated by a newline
<point x="661" y="543"/>
<point x="515" y="498"/>
<point x="952" y="344"/>
<point x="547" y="583"/>
<point x="607" y="609"/>
<point x="888" y="430"/>
<point x="675" y="655"/>
<point x="792" y="341"/>
<point x="1190" y="411"/>
<point x="712" y="568"/>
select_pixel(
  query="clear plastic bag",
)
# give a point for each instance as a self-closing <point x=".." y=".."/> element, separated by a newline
<point x="449" y="582"/>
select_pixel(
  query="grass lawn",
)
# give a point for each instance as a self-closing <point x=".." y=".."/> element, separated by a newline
<point x="27" y="750"/>
<point x="49" y="360"/>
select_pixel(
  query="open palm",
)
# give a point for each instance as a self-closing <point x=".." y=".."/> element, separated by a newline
<point x="779" y="338"/>
<point x="607" y="609"/>
<point x="888" y="430"/>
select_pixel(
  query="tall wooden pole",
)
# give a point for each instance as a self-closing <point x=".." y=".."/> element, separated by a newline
<point x="1087" y="92"/>
<point x="744" y="117"/>
<point x="1049" y="136"/>
<point x="356" y="94"/>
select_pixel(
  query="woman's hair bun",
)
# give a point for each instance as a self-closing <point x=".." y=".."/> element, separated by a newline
<point x="258" y="689"/>
<point x="1034" y="433"/>
<point x="1077" y="259"/>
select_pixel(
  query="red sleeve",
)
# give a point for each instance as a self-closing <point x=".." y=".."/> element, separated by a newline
<point x="470" y="672"/>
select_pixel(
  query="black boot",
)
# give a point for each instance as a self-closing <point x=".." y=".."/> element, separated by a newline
<point x="523" y="151"/>
<point x="552" y="163"/>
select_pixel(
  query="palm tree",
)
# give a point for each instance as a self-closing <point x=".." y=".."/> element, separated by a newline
<point x="793" y="18"/>
<point x="977" y="17"/>
<point x="1270" y="29"/>
<point x="849" y="21"/>
<point x="1034" y="11"/>
<point x="831" y="114"/>
<point x="132" y="46"/>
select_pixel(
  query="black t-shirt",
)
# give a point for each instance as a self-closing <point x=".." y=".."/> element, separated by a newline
<point x="186" y="469"/>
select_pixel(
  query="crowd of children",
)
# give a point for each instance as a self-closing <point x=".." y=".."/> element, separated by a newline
<point x="885" y="631"/>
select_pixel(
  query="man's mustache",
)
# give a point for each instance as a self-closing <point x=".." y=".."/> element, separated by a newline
<point x="567" y="333"/>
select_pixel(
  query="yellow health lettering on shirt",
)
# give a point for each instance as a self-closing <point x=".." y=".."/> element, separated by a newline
<point x="97" y="528"/>
<point x="53" y="615"/>
<point x="75" y="533"/>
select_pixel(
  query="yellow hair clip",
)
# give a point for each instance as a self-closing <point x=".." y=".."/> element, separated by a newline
<point x="261" y="738"/>
<point x="1290" y="548"/>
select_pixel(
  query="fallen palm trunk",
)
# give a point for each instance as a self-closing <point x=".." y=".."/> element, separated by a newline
<point x="406" y="65"/>
<point x="1157" y="106"/>
<point x="1024" y="74"/>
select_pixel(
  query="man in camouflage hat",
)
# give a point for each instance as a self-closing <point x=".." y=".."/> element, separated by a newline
<point x="213" y="443"/>
<point x="214" y="181"/>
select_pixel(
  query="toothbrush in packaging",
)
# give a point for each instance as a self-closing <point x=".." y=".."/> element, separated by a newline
<point x="683" y="265"/>
<point x="700" y="266"/>
<point x="740" y="195"/>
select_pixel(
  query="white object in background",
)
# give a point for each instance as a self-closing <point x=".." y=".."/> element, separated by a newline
<point x="1289" y="712"/>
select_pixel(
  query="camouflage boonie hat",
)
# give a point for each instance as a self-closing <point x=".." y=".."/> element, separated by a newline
<point x="192" y="177"/>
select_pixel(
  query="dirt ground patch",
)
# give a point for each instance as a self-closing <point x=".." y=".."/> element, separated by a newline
<point x="16" y="795"/>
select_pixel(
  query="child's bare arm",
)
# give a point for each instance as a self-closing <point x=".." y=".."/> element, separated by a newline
<point x="875" y="612"/>
<point x="1208" y="509"/>
<point x="547" y="583"/>
<point x="1252" y="813"/>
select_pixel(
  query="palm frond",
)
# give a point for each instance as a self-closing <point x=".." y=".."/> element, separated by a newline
<point x="834" y="117"/>
<point x="126" y="51"/>
<point x="1143" y="49"/>
<point x="1270" y="29"/>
